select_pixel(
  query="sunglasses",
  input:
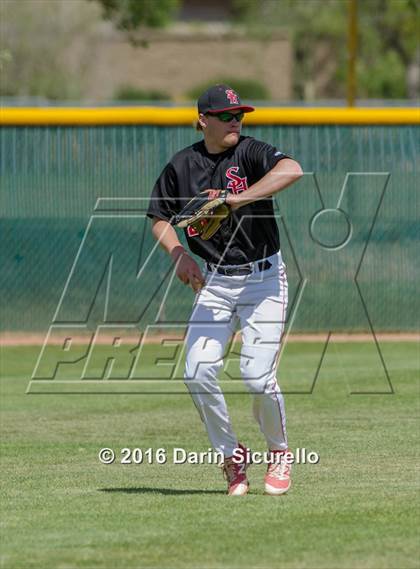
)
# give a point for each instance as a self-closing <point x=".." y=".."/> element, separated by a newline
<point x="227" y="117"/>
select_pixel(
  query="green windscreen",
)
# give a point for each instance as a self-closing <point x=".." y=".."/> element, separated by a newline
<point x="76" y="246"/>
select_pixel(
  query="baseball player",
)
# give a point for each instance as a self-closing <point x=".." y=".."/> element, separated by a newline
<point x="243" y="281"/>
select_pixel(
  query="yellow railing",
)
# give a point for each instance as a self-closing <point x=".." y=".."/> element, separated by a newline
<point x="161" y="116"/>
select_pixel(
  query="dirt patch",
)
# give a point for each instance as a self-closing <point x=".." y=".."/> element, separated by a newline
<point x="37" y="339"/>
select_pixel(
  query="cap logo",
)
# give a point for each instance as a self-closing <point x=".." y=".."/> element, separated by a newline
<point x="232" y="96"/>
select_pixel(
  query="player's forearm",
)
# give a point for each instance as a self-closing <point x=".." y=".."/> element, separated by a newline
<point x="280" y="177"/>
<point x="166" y="235"/>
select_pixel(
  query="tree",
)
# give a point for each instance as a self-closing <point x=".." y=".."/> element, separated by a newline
<point x="388" y="54"/>
<point x="131" y="15"/>
<point x="389" y="49"/>
<point x="36" y="44"/>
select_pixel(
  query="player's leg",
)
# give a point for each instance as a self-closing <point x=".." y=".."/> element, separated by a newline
<point x="262" y="312"/>
<point x="209" y="329"/>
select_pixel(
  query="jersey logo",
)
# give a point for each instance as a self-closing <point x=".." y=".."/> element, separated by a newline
<point x="232" y="96"/>
<point x="236" y="183"/>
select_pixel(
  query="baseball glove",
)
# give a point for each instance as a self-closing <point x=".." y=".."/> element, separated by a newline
<point x="205" y="213"/>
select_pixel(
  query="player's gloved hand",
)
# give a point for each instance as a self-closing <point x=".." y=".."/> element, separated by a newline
<point x="187" y="269"/>
<point x="205" y="213"/>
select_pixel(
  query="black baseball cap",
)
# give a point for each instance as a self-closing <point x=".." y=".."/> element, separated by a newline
<point x="221" y="98"/>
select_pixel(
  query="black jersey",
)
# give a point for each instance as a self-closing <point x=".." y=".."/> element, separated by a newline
<point x="251" y="232"/>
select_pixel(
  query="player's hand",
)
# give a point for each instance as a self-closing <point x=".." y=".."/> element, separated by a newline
<point x="231" y="200"/>
<point x="212" y="194"/>
<point x="187" y="269"/>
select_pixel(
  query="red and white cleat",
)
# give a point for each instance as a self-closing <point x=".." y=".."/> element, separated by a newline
<point x="277" y="479"/>
<point x="234" y="470"/>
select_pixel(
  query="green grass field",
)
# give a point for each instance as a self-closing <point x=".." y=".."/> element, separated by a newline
<point x="61" y="508"/>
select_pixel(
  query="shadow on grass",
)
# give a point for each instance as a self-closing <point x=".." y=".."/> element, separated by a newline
<point x="164" y="491"/>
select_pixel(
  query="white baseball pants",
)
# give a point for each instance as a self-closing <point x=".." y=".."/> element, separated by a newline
<point x="259" y="302"/>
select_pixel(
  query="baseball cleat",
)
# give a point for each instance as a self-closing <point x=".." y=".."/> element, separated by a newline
<point x="234" y="471"/>
<point x="277" y="479"/>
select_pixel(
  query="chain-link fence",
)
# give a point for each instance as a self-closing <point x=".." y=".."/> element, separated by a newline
<point x="349" y="268"/>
